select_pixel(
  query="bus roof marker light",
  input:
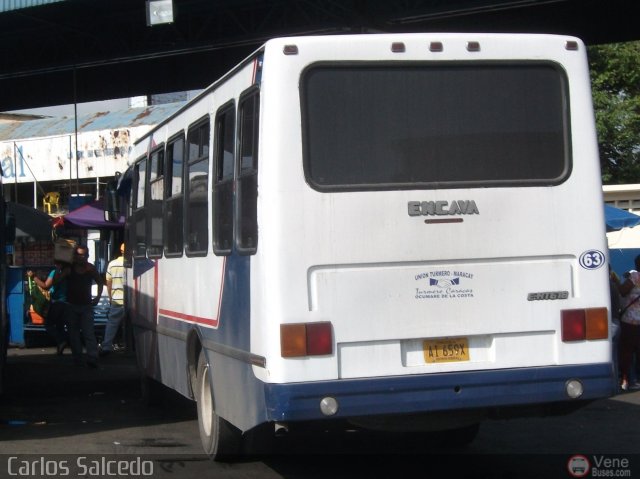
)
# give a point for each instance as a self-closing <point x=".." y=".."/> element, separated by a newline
<point x="571" y="45"/>
<point x="290" y="49"/>
<point x="473" y="46"/>
<point x="436" y="47"/>
<point x="398" y="47"/>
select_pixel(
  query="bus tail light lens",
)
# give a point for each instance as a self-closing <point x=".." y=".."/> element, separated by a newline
<point x="573" y="325"/>
<point x="319" y="339"/>
<point x="597" y="323"/>
<point x="581" y="324"/>
<point x="293" y="340"/>
<point x="306" y="339"/>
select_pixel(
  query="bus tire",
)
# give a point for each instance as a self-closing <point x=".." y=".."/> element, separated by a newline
<point x="220" y="440"/>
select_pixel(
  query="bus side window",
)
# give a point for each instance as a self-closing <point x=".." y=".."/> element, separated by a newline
<point x="223" y="181"/>
<point x="173" y="213"/>
<point x="247" y="185"/>
<point x="139" y="214"/>
<point x="154" y="205"/>
<point x="197" y="229"/>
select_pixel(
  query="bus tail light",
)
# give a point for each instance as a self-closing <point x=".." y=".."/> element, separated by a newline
<point x="581" y="324"/>
<point x="306" y="339"/>
<point x="597" y="323"/>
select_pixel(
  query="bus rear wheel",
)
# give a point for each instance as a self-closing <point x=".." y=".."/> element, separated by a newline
<point x="220" y="440"/>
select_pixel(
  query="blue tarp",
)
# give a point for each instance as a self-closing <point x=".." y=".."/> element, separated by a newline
<point x="623" y="259"/>
<point x="616" y="219"/>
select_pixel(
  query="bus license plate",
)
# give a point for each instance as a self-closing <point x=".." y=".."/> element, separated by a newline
<point x="446" y="350"/>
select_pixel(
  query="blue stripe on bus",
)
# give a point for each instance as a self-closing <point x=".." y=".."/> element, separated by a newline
<point x="436" y="392"/>
<point x="235" y="311"/>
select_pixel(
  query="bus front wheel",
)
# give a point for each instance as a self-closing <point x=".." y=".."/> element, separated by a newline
<point x="220" y="440"/>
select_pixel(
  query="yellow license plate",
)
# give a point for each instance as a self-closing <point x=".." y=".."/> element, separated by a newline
<point x="446" y="350"/>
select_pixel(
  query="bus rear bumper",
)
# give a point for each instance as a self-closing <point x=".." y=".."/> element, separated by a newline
<point x="437" y="392"/>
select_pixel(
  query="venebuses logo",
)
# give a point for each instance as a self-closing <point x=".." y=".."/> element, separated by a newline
<point x="599" y="466"/>
<point x="578" y="466"/>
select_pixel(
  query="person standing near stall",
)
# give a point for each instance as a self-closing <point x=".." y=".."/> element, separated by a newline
<point x="55" y="319"/>
<point x="629" y="322"/>
<point x="80" y="277"/>
<point x="115" y="289"/>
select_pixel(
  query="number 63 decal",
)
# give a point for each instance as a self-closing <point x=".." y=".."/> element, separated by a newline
<point x="592" y="259"/>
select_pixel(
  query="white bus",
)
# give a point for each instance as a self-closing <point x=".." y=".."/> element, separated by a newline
<point x="393" y="231"/>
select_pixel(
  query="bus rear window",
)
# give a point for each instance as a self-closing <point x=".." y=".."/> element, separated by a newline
<point x="448" y="125"/>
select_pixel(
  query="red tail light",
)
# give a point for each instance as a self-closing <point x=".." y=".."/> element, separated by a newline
<point x="306" y="339"/>
<point x="581" y="324"/>
<point x="573" y="325"/>
<point x="319" y="339"/>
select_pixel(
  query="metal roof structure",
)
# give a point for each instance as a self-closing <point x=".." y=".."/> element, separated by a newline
<point x="74" y="51"/>
<point x="9" y="5"/>
<point x="46" y="127"/>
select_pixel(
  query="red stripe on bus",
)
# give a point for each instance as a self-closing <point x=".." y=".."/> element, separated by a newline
<point x="189" y="317"/>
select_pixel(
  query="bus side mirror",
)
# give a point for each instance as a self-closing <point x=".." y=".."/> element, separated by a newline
<point x="111" y="201"/>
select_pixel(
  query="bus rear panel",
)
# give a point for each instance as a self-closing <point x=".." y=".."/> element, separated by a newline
<point x="437" y="230"/>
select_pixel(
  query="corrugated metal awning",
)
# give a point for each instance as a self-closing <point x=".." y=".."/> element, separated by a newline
<point x="46" y="127"/>
<point x="9" y="5"/>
